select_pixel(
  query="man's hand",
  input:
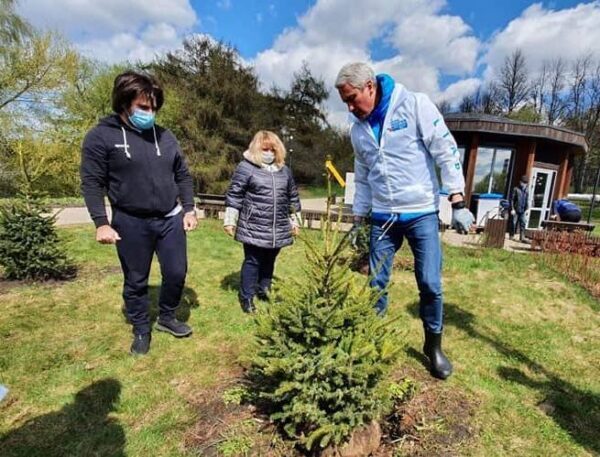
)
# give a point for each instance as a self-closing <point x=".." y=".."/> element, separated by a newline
<point x="353" y="234"/>
<point x="190" y="222"/>
<point x="295" y="230"/>
<point x="513" y="213"/>
<point x="229" y="229"/>
<point x="462" y="220"/>
<point x="105" y="234"/>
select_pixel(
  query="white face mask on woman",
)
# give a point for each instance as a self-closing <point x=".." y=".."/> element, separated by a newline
<point x="268" y="157"/>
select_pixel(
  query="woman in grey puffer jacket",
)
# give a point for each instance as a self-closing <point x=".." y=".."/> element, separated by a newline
<point x="263" y="205"/>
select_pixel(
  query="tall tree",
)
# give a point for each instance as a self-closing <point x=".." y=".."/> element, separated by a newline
<point x="538" y="89"/>
<point x="214" y="101"/>
<point x="583" y="115"/>
<point x="513" y="80"/>
<point x="13" y="28"/>
<point x="556" y="103"/>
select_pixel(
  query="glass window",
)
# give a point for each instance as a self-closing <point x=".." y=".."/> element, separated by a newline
<point x="481" y="180"/>
<point x="461" y="152"/>
<point x="492" y="171"/>
<point x="500" y="171"/>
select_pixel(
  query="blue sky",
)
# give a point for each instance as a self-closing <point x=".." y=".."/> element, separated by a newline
<point x="445" y="48"/>
<point x="252" y="25"/>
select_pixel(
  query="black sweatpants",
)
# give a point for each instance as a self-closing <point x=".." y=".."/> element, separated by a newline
<point x="140" y="239"/>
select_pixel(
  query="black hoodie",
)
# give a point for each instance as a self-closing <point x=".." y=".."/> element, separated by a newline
<point x="142" y="172"/>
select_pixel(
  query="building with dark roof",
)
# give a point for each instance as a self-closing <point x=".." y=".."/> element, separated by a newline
<point x="496" y="152"/>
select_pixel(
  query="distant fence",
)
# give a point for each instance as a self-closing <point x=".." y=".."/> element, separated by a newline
<point x="573" y="254"/>
<point x="576" y="242"/>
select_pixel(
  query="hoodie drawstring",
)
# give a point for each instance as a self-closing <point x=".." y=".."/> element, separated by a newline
<point x="125" y="146"/>
<point x="156" y="142"/>
<point x="388" y="225"/>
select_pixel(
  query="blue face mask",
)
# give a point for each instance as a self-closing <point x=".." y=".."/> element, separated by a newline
<point x="142" y="119"/>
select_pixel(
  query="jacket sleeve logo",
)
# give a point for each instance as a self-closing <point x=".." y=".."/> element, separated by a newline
<point x="398" y="124"/>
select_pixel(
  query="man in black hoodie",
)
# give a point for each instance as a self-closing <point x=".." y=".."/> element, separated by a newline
<point x="140" y="167"/>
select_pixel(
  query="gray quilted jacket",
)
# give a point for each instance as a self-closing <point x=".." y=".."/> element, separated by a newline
<point x="265" y="199"/>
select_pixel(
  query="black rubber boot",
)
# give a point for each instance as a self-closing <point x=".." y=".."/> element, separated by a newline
<point x="262" y="294"/>
<point x="247" y="305"/>
<point x="440" y="366"/>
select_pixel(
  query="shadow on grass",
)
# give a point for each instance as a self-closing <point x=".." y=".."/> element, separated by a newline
<point x="189" y="301"/>
<point x="231" y="282"/>
<point x="81" y="428"/>
<point x="575" y="410"/>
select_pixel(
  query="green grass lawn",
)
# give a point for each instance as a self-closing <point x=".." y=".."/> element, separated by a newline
<point x="320" y="191"/>
<point x="585" y="212"/>
<point x="525" y="344"/>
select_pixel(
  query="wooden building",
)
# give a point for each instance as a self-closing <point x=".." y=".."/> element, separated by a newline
<point x="496" y="152"/>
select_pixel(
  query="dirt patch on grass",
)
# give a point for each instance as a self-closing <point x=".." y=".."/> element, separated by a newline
<point x="228" y="427"/>
<point x="436" y="420"/>
<point x="8" y="285"/>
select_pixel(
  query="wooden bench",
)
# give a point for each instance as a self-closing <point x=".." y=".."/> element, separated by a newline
<point x="309" y="216"/>
<point x="567" y="226"/>
<point x="211" y="204"/>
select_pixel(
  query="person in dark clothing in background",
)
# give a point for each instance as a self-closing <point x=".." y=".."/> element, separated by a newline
<point x="565" y="211"/>
<point x="140" y="167"/>
<point x="263" y="209"/>
<point x="519" y="201"/>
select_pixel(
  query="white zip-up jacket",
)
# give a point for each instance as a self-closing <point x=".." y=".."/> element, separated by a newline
<point x="398" y="175"/>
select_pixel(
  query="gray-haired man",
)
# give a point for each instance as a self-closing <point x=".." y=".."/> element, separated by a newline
<point x="398" y="137"/>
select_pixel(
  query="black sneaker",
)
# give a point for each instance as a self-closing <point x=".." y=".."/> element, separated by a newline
<point x="140" y="344"/>
<point x="174" y="327"/>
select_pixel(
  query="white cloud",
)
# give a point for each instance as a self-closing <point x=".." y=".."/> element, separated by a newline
<point x="332" y="33"/>
<point x="546" y="34"/>
<point x="455" y="92"/>
<point x="114" y="30"/>
<point x="442" y="41"/>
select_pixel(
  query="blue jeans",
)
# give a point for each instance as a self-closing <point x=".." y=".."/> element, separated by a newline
<point x="423" y="238"/>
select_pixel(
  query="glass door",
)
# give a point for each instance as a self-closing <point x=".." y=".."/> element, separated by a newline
<point x="541" y="187"/>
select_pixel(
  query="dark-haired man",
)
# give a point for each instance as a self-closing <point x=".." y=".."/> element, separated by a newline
<point x="140" y="167"/>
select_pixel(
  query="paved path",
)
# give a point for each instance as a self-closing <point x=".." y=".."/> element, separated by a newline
<point x="74" y="215"/>
<point x="453" y="238"/>
<point x="79" y="215"/>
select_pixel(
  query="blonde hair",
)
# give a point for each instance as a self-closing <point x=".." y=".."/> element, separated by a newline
<point x="265" y="139"/>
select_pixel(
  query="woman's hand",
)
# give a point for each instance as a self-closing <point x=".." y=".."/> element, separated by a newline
<point x="229" y="229"/>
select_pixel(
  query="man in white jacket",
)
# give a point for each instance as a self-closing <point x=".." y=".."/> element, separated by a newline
<point x="398" y="137"/>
